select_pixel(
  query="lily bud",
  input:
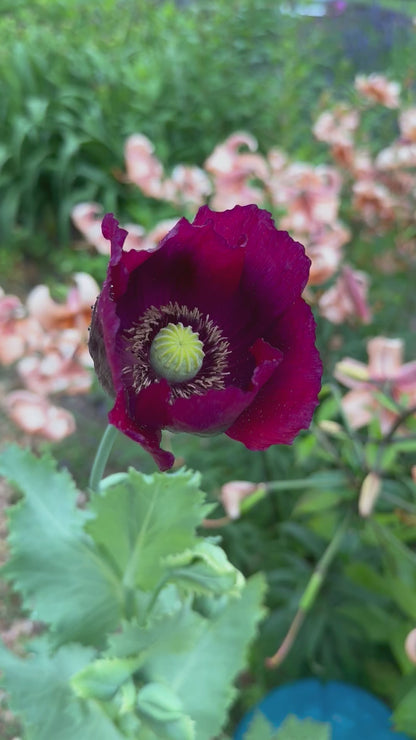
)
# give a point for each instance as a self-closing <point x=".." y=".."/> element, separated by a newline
<point x="332" y="428"/>
<point x="410" y="646"/>
<point x="369" y="493"/>
<point x="233" y="493"/>
<point x="352" y="370"/>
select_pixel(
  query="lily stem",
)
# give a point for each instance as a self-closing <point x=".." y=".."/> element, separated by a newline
<point x="101" y="457"/>
<point x="309" y="595"/>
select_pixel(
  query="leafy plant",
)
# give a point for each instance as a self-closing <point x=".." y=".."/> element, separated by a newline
<point x="172" y="75"/>
<point x="147" y="624"/>
<point x="292" y="729"/>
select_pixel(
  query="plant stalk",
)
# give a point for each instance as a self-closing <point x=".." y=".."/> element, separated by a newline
<point x="309" y="595"/>
<point x="101" y="457"/>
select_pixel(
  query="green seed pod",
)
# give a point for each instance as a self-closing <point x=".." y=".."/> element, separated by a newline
<point x="177" y="353"/>
<point x="159" y="702"/>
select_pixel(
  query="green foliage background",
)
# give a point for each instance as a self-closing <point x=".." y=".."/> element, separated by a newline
<point x="77" y="79"/>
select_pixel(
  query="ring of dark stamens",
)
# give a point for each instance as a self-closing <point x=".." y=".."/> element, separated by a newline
<point x="140" y="336"/>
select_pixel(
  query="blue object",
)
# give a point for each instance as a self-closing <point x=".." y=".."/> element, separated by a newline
<point x="352" y="713"/>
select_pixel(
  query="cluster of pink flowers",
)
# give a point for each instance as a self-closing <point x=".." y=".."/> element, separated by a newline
<point x="379" y="189"/>
<point x="308" y="197"/>
<point x="382" y="186"/>
<point x="48" y="343"/>
<point x="385" y="373"/>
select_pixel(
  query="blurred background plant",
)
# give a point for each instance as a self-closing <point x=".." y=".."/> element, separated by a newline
<point x="148" y="109"/>
<point x="186" y="75"/>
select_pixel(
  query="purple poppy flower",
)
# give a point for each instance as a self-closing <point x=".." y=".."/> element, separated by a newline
<point x="209" y="333"/>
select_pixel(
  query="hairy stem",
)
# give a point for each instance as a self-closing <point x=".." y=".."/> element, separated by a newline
<point x="101" y="457"/>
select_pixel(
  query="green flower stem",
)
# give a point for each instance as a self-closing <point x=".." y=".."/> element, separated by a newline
<point x="253" y="499"/>
<point x="101" y="457"/>
<point x="159" y="588"/>
<point x="310" y="593"/>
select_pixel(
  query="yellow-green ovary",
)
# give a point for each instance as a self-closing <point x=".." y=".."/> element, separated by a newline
<point x="176" y="353"/>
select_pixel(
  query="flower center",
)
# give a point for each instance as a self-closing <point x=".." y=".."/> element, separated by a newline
<point x="178" y="338"/>
<point x="176" y="353"/>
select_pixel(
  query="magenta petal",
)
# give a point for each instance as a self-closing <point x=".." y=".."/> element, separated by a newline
<point x="105" y="326"/>
<point x="121" y="263"/>
<point x="211" y="413"/>
<point x="214" y="411"/>
<point x="285" y="404"/>
<point x="215" y="261"/>
<point x="115" y="235"/>
<point x="241" y="279"/>
<point x="103" y="335"/>
<point x="191" y="266"/>
<point x="151" y="405"/>
<point x="148" y="437"/>
<point x="267" y="358"/>
<point x="276" y="267"/>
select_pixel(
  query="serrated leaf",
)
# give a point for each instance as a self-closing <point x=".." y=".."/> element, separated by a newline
<point x="297" y="729"/>
<point x="198" y="658"/>
<point x="102" y="678"/>
<point x="260" y="729"/>
<point x="42" y="697"/>
<point x="159" y="702"/>
<point x="201" y="676"/>
<point x="157" y="636"/>
<point x="182" y="728"/>
<point x="205" y="570"/>
<point x="53" y="563"/>
<point x="144" y="518"/>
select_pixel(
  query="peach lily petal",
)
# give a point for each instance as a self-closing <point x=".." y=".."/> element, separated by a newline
<point x="358" y="406"/>
<point x="35" y="415"/>
<point x="384" y="367"/>
<point x="347" y="299"/>
<point x="385" y="357"/>
<point x="18" y="333"/>
<point x="75" y="312"/>
<point x="232" y="170"/>
<point x="377" y="88"/>
<point x="87" y="218"/>
<point x="192" y="185"/>
<point x="407" y="124"/>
